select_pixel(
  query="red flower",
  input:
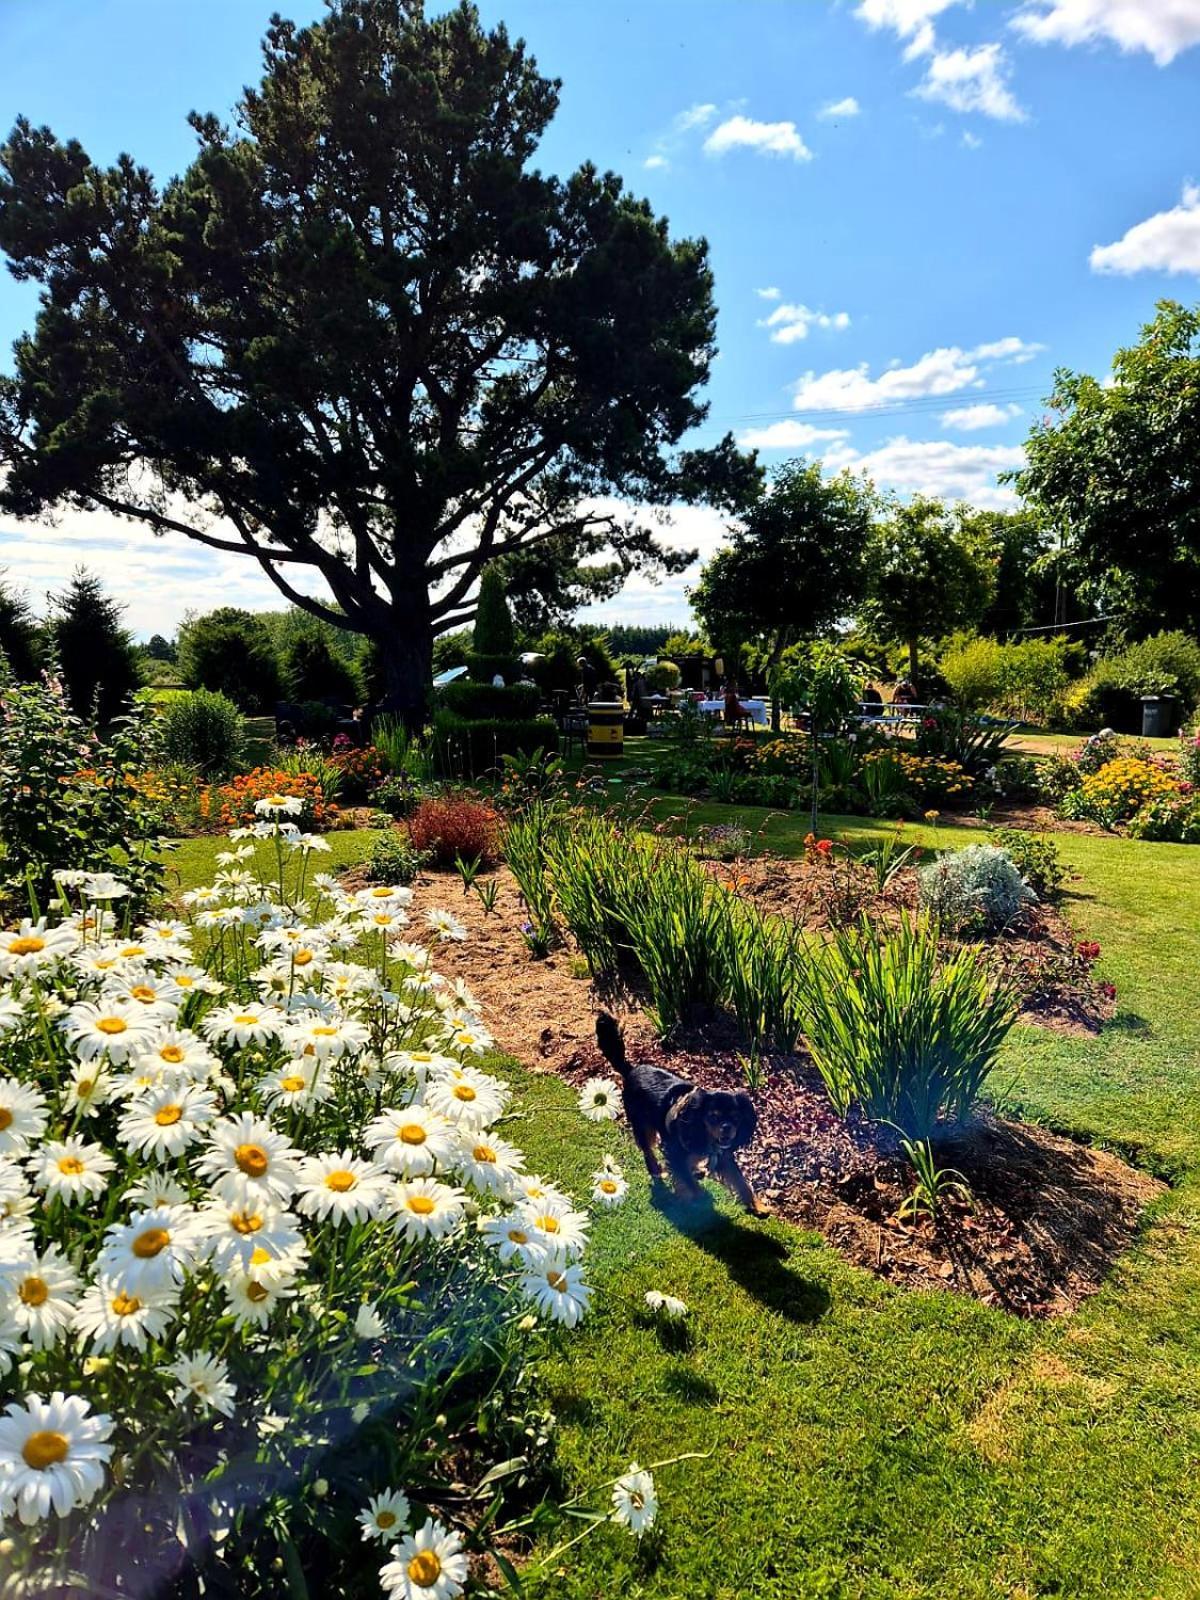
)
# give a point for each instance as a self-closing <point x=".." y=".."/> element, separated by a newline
<point x="824" y="846"/>
<point x="1109" y="991"/>
<point x="1089" y="950"/>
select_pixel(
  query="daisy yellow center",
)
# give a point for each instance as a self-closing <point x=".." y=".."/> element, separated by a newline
<point x="143" y="991"/>
<point x="381" y="894"/>
<point x="517" y="1236"/>
<point x="484" y="1152"/>
<point x="421" y="1204"/>
<point x="168" y="1116"/>
<point x="6" y="1118"/>
<point x="637" y="1500"/>
<point x="464" y="1091"/>
<point x="534" y="1192"/>
<point x="183" y="980"/>
<point x="293" y="1083"/>
<point x="34" y="1292"/>
<point x="45" y="1449"/>
<point x="557" y="1281"/>
<point x="103" y="964"/>
<point x="84" y="1087"/>
<point x="29" y="945"/>
<point x="420" y="1055"/>
<point x="382" y="920"/>
<point x="277" y="799"/>
<point x="245" y="1020"/>
<point x="111" y="1025"/>
<point x="548" y="1224"/>
<point x="256" y="1293"/>
<point x="150" y="1242"/>
<point x="466" y="1038"/>
<point x="70" y="1166"/>
<point x="252" y="1159"/>
<point x="134" y="950"/>
<point x="385" y="1520"/>
<point x="411" y="1133"/>
<point x="608" y="1186"/>
<point x="324" y="1033"/>
<point x="260" y="1257"/>
<point x="340" y="1181"/>
<point x="172" y="1053"/>
<point x="425" y="1569"/>
<point x="302" y="958"/>
<point x="125" y="1305"/>
<point x="245" y="1221"/>
<point x="309" y="1050"/>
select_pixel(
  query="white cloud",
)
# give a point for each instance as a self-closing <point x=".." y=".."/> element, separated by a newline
<point x="910" y="20"/>
<point x="769" y="294"/>
<point x="694" y="117"/>
<point x="768" y="138"/>
<point x="944" y="371"/>
<point x="971" y="81"/>
<point x="969" y="419"/>
<point x="789" y="323"/>
<point x="1163" y="28"/>
<point x="1166" y="242"/>
<point x="656" y="163"/>
<point x="936" y="467"/>
<point x="788" y="435"/>
<point x="643" y="601"/>
<point x="971" y="141"/>
<point x="849" y="107"/>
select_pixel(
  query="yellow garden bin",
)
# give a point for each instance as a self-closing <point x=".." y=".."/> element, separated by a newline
<point x="606" y="729"/>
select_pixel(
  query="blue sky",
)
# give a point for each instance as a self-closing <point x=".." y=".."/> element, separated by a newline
<point x="916" y="209"/>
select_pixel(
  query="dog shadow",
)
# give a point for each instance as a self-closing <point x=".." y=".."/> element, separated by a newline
<point x="755" y="1260"/>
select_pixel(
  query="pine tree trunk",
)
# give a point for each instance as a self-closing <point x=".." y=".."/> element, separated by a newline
<point x="405" y="646"/>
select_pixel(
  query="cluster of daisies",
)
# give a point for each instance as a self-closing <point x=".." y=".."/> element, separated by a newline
<point x="246" y="1126"/>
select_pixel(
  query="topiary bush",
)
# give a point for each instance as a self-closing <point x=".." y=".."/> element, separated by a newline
<point x="205" y="730"/>
<point x="976" y="890"/>
<point x="515" y="702"/>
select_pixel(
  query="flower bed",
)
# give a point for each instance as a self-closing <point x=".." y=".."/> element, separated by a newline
<point x="239" y="798"/>
<point x="267" y="1272"/>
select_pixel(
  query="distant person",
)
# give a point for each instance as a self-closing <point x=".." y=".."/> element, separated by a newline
<point x="905" y="694"/>
<point x="589" y="679"/>
<point x="872" y="700"/>
<point x="733" y="704"/>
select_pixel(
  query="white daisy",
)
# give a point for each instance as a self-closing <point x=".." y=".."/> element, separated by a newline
<point x="557" y="1288"/>
<point x="514" y="1239"/>
<point x="394" y="894"/>
<point x="243" y="1024"/>
<point x="23" y="1117"/>
<point x="91" y="1086"/>
<point x="13" y="1015"/>
<point x="12" y="1342"/>
<point x="340" y="1187"/>
<point x="248" y="1161"/>
<point x="538" y="1191"/>
<point x="382" y="919"/>
<point x="234" y="1233"/>
<point x="164" y="934"/>
<point x="445" y="924"/>
<point x="116" y="1028"/>
<point x="33" y="945"/>
<point x="279" y="805"/>
<point x="155" y="1188"/>
<point x="665" y="1305"/>
<point x="368" y="1324"/>
<point x="562" y="1228"/>
<point x="52" y="1456"/>
<point x="253" y="1296"/>
<point x="470" y="1100"/>
<point x="71" y="1170"/>
<point x="40" y="1292"/>
<point x="635" y="1500"/>
<point x="326" y="1039"/>
<point x="426" y="1565"/>
<point x="609" y="1189"/>
<point x="426" y="1209"/>
<point x="178" y="1050"/>
<point x="151" y="1252"/>
<point x="412" y="1141"/>
<point x="297" y="1086"/>
<point x="471" y="1039"/>
<point x="487" y="1163"/>
<point x="108" y="1316"/>
<point x="104" y="886"/>
<point x="385" y="1516"/>
<point x="205" y="1379"/>
<point x="141" y="987"/>
<point x="600" y="1100"/>
<point x="167" y="1119"/>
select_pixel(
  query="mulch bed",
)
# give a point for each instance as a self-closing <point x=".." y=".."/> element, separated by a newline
<point x="1049" y="1216"/>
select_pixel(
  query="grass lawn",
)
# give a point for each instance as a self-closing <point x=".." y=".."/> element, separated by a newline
<point x="864" y="1441"/>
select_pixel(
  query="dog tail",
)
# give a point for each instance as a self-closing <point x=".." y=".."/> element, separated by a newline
<point x="611" y="1042"/>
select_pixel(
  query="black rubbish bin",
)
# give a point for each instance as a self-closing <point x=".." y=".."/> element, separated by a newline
<point x="1158" y="716"/>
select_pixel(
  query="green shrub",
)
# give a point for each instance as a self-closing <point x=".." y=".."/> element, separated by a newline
<point x="976" y="890"/>
<point x="494" y="633"/>
<point x="469" y="747"/>
<point x="312" y="670"/>
<point x="394" y="858"/>
<point x="399" y="795"/>
<point x="663" y="676"/>
<point x="1111" y="693"/>
<point x="1026" y="680"/>
<point x="901" y="1031"/>
<point x="205" y="730"/>
<point x="484" y="667"/>
<point x="1036" y="858"/>
<point x="973" y="742"/>
<point x="231" y="651"/>
<point x="402" y="751"/>
<point x="95" y="656"/>
<point x="515" y="702"/>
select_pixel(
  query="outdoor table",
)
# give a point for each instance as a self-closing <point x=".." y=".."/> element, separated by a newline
<point x="756" y="710"/>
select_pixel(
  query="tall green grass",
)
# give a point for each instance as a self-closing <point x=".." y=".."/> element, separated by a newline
<point x="524" y="841"/>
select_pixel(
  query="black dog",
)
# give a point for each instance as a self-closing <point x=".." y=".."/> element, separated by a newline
<point x="692" y="1125"/>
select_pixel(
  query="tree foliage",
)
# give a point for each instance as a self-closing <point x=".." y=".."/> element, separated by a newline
<point x="312" y="670"/>
<point x="18" y="635"/>
<point x="1115" y="468"/>
<point x="95" y="654"/>
<point x="231" y="652"/>
<point x="362" y="336"/>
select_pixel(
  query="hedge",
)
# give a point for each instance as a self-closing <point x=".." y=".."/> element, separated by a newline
<point x="516" y="702"/>
<point x="467" y="747"/>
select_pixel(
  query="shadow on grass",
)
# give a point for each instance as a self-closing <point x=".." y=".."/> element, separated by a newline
<point x="755" y="1260"/>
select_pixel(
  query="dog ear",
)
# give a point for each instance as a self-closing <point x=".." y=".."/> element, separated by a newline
<point x="747" y="1117"/>
<point x="685" y="1120"/>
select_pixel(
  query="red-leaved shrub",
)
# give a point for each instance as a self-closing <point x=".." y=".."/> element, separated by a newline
<point x="453" y="825"/>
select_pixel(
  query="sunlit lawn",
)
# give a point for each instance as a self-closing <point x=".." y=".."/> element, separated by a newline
<point x="862" y="1441"/>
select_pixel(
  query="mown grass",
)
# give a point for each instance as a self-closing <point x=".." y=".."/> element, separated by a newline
<point x="863" y="1441"/>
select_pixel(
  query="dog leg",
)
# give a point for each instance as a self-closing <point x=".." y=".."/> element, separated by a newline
<point x="644" y="1137"/>
<point x="731" y="1175"/>
<point x="683" y="1172"/>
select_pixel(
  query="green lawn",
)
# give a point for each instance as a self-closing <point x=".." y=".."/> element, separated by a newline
<point x="864" y="1441"/>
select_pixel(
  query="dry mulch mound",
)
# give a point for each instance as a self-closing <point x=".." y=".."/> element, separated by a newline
<point x="1050" y="1215"/>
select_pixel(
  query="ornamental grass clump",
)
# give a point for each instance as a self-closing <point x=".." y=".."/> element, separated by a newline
<point x="976" y="890"/>
<point x="265" y="1259"/>
<point x="902" y="1031"/>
